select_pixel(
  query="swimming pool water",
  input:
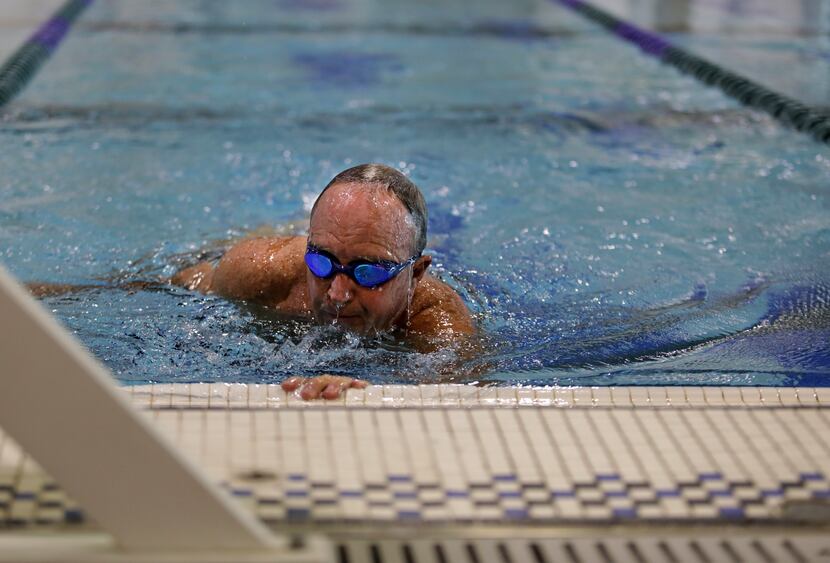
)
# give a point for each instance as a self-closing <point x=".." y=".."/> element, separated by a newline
<point x="608" y="220"/>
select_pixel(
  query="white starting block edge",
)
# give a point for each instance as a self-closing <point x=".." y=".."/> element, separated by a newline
<point x="264" y="396"/>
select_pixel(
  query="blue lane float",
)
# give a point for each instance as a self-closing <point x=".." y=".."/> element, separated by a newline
<point x="786" y="110"/>
<point x="24" y="63"/>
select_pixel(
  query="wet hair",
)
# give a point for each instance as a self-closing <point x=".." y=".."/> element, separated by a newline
<point x="394" y="181"/>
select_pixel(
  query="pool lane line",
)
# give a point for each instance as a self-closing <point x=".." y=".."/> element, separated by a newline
<point x="24" y="63"/>
<point x="787" y="110"/>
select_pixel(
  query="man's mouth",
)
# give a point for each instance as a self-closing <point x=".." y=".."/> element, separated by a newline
<point x="340" y="317"/>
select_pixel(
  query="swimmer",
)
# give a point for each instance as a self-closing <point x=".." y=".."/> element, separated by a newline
<point x="361" y="267"/>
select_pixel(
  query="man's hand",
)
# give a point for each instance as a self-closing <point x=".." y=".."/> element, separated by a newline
<point x="325" y="386"/>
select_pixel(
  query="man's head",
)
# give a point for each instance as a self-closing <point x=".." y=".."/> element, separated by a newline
<point x="374" y="213"/>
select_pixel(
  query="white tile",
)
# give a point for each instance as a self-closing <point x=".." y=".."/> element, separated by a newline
<point x="468" y="395"/>
<point x="199" y="395"/>
<point x="590" y="495"/>
<point x="519" y="446"/>
<point x="355" y="397"/>
<point x="506" y="396"/>
<point x="241" y="442"/>
<point x="393" y="395"/>
<point x="773" y="447"/>
<point x="367" y="447"/>
<point x="424" y="442"/>
<point x="726" y="502"/>
<point x="732" y="396"/>
<point x="746" y="493"/>
<point x="676" y="423"/>
<point x="811" y="426"/>
<point x="769" y="396"/>
<point x="141" y="396"/>
<point x="274" y="395"/>
<point x="563" y="396"/>
<point x="541" y="512"/>
<point x="591" y="445"/>
<point x="672" y="453"/>
<point x="180" y="396"/>
<point x="751" y="396"/>
<point x="564" y="441"/>
<point x="602" y="397"/>
<point x="218" y="395"/>
<point x="714" y="396"/>
<point x="623" y="459"/>
<point x="391" y="443"/>
<point x="620" y="502"/>
<point x="822" y="395"/>
<point x="658" y="396"/>
<point x="433" y="514"/>
<point x="695" y="494"/>
<point x="731" y="426"/>
<point x="779" y="425"/>
<point x="713" y="444"/>
<point x="789" y="397"/>
<point x="676" y="396"/>
<point x="598" y="512"/>
<point x="488" y="396"/>
<point x="257" y="396"/>
<point x="675" y="507"/>
<point x="582" y="397"/>
<point x="639" y="396"/>
<point x="651" y="511"/>
<point x="695" y="396"/>
<point x="543" y="396"/>
<point x="642" y="494"/>
<point x="412" y="396"/>
<point x="449" y="395"/>
<point x="621" y="396"/>
<point x="468" y="447"/>
<point x="568" y="507"/>
<point x="354" y="508"/>
<point x="637" y="434"/>
<point x="704" y="511"/>
<point x="238" y="395"/>
<point x="526" y="396"/>
<point x="492" y="445"/>
<point x="758" y="511"/>
<point x="430" y="395"/>
<point x="161" y="394"/>
<point x="807" y="396"/>
<point x="382" y="513"/>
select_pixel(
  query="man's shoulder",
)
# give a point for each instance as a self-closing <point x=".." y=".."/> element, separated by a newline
<point x="267" y="246"/>
<point x="437" y="308"/>
<point x="262" y="269"/>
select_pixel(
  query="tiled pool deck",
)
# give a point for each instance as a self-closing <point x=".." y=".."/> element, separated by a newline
<point x="453" y="454"/>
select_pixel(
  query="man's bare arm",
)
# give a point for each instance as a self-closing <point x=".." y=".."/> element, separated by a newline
<point x="261" y="269"/>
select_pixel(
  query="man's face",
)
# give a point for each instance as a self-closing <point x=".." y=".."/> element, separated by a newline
<point x="359" y="221"/>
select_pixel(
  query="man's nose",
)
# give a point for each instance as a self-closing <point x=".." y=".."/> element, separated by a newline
<point x="340" y="291"/>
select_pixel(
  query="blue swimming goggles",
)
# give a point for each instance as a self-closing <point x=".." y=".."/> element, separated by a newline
<point x="365" y="273"/>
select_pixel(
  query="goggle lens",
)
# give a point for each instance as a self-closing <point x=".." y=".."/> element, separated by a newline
<point x="370" y="275"/>
<point x="321" y="266"/>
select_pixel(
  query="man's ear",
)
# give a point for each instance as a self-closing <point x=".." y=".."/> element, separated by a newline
<point x="419" y="268"/>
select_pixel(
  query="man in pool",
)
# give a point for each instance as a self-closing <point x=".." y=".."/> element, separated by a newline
<point x="361" y="267"/>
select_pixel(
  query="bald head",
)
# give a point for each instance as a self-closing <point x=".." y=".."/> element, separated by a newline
<point x="379" y="176"/>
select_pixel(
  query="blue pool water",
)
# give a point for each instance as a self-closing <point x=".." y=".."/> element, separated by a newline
<point x="608" y="220"/>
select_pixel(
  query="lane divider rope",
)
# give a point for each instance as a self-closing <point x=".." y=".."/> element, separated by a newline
<point x="22" y="65"/>
<point x="787" y="110"/>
